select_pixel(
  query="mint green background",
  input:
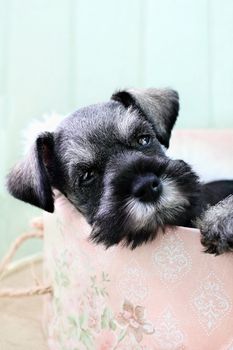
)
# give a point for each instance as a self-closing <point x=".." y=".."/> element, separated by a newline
<point x="58" y="55"/>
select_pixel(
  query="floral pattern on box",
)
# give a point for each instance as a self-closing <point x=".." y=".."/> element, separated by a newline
<point x="171" y="259"/>
<point x="132" y="283"/>
<point x="167" y="332"/>
<point x="165" y="295"/>
<point x="211" y="302"/>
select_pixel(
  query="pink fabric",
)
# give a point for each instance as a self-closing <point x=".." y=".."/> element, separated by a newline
<point x="208" y="151"/>
<point x="165" y="295"/>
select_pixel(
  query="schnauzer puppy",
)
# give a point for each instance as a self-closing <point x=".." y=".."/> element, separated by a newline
<point x="109" y="160"/>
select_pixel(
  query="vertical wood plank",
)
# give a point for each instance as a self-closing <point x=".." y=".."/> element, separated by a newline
<point x="36" y="79"/>
<point x="4" y="19"/>
<point x="177" y="55"/>
<point x="108" y="54"/>
<point x="221" y="26"/>
<point x="38" y="60"/>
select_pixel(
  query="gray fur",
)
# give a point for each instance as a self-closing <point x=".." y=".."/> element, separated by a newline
<point x="162" y="107"/>
<point x="216" y="225"/>
<point x="102" y="140"/>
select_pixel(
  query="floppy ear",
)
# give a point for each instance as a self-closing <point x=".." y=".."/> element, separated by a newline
<point x="159" y="106"/>
<point x="29" y="180"/>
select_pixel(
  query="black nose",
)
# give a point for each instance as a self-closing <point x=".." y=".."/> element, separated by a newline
<point x="146" y="187"/>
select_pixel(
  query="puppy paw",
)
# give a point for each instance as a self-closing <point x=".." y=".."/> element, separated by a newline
<point x="216" y="226"/>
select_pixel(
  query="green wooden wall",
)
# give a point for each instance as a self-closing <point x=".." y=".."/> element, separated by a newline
<point x="57" y="55"/>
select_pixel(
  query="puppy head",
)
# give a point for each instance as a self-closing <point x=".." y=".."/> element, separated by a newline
<point x="79" y="158"/>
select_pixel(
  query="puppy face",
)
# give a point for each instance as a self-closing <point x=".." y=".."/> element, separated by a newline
<point x="108" y="160"/>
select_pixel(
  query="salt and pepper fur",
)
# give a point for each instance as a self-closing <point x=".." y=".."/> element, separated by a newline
<point x="103" y="137"/>
<point x="216" y="225"/>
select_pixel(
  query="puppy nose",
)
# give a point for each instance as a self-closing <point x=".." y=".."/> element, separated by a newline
<point x="147" y="187"/>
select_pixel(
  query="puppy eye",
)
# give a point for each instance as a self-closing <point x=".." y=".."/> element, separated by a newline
<point x="144" y="140"/>
<point x="87" y="177"/>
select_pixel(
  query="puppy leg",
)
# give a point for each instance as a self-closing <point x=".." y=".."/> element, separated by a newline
<point x="216" y="226"/>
